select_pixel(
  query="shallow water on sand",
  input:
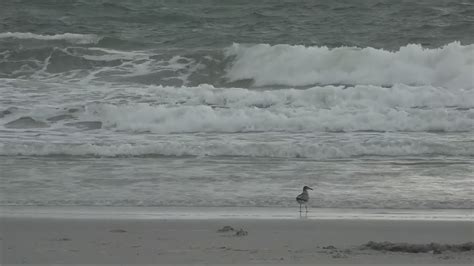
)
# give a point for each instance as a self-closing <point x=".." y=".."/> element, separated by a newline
<point x="237" y="181"/>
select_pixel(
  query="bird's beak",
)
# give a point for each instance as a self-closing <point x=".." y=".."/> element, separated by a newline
<point x="310" y="188"/>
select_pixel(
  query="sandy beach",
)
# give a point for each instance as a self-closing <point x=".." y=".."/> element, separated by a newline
<point x="129" y="240"/>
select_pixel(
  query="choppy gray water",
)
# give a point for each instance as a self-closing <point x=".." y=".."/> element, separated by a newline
<point x="203" y="103"/>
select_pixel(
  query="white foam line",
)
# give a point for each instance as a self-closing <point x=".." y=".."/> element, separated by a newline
<point x="70" y="37"/>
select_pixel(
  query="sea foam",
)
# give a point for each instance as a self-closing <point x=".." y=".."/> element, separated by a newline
<point x="325" y="109"/>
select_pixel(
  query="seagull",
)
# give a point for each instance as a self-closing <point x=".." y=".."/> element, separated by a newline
<point x="303" y="198"/>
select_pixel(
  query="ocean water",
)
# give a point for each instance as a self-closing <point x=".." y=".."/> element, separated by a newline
<point x="237" y="103"/>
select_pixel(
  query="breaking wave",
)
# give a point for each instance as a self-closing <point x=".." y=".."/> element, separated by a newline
<point x="295" y="65"/>
<point x="205" y="108"/>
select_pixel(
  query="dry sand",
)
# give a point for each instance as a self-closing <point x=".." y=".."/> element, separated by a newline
<point x="40" y="240"/>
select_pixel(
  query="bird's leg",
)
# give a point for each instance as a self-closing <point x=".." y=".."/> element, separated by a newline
<point x="300" y="207"/>
<point x="306" y="207"/>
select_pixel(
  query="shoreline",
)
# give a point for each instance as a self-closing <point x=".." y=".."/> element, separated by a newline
<point x="218" y="213"/>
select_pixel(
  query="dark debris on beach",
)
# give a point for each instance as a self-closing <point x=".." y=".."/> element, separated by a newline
<point x="118" y="231"/>
<point x="228" y="228"/>
<point x="434" y="248"/>
<point x="225" y="229"/>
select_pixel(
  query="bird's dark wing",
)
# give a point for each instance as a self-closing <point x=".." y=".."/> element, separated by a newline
<point x="302" y="197"/>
